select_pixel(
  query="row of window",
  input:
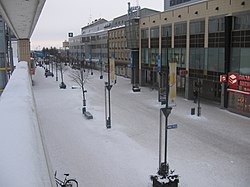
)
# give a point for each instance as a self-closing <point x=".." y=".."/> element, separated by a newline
<point x="205" y="59"/>
<point x="117" y="34"/>
<point x="93" y="38"/>
<point x="215" y="24"/>
<point x="118" y="45"/>
<point x="177" y="2"/>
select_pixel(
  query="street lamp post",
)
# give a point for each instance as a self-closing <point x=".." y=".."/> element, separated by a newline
<point x="108" y="87"/>
<point x="57" y="69"/>
<point x="100" y="61"/>
<point x="164" y="178"/>
<point x="198" y="98"/>
<point x="83" y="90"/>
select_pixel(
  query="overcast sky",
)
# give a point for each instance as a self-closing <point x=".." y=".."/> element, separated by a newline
<point x="59" y="17"/>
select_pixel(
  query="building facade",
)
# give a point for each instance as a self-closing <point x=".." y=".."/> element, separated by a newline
<point x="91" y="46"/>
<point x="206" y="40"/>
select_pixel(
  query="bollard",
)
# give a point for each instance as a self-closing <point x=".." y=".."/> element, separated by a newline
<point x="192" y="111"/>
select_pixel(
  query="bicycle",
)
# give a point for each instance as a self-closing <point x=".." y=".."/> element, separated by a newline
<point x="66" y="182"/>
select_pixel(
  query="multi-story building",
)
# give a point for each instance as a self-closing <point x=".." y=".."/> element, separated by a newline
<point x="119" y="47"/>
<point x="91" y="45"/>
<point x="206" y="39"/>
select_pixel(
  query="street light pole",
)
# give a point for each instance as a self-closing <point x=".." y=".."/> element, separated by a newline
<point x="57" y="69"/>
<point x="167" y="179"/>
<point x="108" y="87"/>
<point x="199" y="100"/>
<point x="83" y="91"/>
<point x="100" y="60"/>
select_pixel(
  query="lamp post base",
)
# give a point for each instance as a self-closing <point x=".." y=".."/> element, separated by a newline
<point x="62" y="85"/>
<point x="169" y="181"/>
<point x="108" y="123"/>
<point x="136" y="88"/>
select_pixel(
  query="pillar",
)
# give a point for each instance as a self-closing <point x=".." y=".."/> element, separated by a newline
<point x="228" y="48"/>
<point x="24" y="50"/>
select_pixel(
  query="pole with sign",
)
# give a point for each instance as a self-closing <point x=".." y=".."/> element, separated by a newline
<point x="223" y="80"/>
<point x="164" y="177"/>
<point x="108" y="87"/>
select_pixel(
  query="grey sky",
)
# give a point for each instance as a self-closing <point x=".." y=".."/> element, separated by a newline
<point x="60" y="17"/>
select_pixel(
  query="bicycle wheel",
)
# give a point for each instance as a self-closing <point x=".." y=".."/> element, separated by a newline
<point x="71" y="183"/>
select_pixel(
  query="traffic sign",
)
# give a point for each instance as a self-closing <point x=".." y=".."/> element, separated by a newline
<point x="173" y="126"/>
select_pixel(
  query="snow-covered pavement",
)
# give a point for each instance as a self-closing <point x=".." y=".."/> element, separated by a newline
<point x="211" y="150"/>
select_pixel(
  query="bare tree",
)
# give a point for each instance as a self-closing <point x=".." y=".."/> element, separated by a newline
<point x="80" y="77"/>
<point x="62" y="69"/>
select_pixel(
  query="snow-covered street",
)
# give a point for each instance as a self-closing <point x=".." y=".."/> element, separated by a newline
<point x="211" y="150"/>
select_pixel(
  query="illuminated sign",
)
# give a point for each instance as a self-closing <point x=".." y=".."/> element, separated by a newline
<point x="70" y="34"/>
<point x="233" y="80"/>
<point x="239" y="82"/>
<point x="223" y="78"/>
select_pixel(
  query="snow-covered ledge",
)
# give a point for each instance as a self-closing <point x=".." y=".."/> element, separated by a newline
<point x="23" y="159"/>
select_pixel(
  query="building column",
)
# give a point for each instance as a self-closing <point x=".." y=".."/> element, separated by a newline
<point x="228" y="48"/>
<point x="189" y="82"/>
<point x="24" y="50"/>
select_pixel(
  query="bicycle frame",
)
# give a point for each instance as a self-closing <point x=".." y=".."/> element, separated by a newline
<point x="66" y="182"/>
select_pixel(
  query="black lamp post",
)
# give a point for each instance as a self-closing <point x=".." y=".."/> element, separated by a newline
<point x="83" y="90"/>
<point x="164" y="178"/>
<point x="108" y="87"/>
<point x="100" y="61"/>
<point x="57" y="69"/>
<point x="198" y="86"/>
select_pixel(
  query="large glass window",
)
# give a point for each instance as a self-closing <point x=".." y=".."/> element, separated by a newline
<point x="240" y="60"/>
<point x="166" y="30"/>
<point x="144" y="56"/>
<point x="216" y="24"/>
<point x="179" y="56"/>
<point x="197" y="58"/>
<point x="242" y="22"/>
<point x="197" y="27"/>
<point x="177" y="2"/>
<point x="144" y="33"/>
<point x="154" y="32"/>
<point x="180" y="29"/>
<point x="216" y="60"/>
<point x="153" y="56"/>
<point x="167" y="54"/>
<point x="244" y="61"/>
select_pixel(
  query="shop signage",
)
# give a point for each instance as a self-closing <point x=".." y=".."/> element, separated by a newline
<point x="239" y="82"/>
<point x="233" y="80"/>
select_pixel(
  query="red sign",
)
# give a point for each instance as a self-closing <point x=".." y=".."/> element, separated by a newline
<point x="183" y="72"/>
<point x="244" y="83"/>
<point x="244" y="77"/>
<point x="233" y="80"/>
<point x="223" y="78"/>
<point x="239" y="82"/>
